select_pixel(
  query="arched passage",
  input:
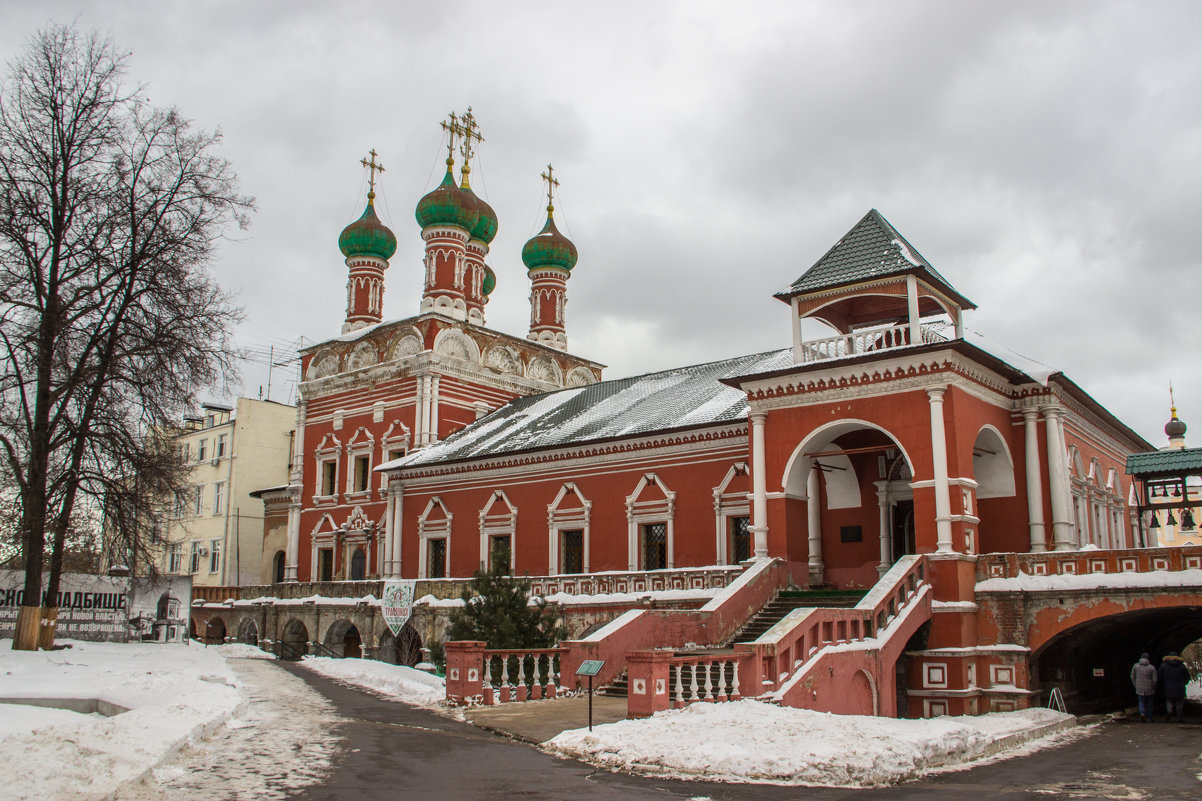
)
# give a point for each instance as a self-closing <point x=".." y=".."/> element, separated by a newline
<point x="850" y="504"/>
<point x="294" y="641"/>
<point x="248" y="632"/>
<point x="1003" y="520"/>
<point x="278" y="562"/>
<point x="404" y="649"/>
<point x="1091" y="663"/>
<point x="343" y="638"/>
<point x="215" y="631"/>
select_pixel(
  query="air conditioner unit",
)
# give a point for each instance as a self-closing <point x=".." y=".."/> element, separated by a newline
<point x="215" y="460"/>
<point x="203" y="551"/>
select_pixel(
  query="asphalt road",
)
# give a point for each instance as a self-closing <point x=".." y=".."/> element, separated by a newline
<point x="393" y="751"/>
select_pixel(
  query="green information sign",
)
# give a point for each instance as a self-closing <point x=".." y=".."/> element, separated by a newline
<point x="590" y="667"/>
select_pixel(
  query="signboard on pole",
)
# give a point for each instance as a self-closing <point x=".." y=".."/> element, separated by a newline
<point x="397" y="603"/>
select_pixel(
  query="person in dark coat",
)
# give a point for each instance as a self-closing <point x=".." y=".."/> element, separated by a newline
<point x="1143" y="676"/>
<point x="1174" y="675"/>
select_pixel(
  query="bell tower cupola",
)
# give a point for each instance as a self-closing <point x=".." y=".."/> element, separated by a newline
<point x="367" y="244"/>
<point x="549" y="257"/>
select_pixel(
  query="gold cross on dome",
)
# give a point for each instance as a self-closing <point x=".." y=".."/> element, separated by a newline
<point x="469" y="130"/>
<point x="372" y="169"/>
<point x="454" y="129"/>
<point x="552" y="182"/>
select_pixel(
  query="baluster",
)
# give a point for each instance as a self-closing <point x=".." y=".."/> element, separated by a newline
<point x="734" y="684"/>
<point x="679" y="684"/>
<point x="506" y="687"/>
<point x="693" y="696"/>
<point x="522" y="690"/>
<point x="709" y="681"/>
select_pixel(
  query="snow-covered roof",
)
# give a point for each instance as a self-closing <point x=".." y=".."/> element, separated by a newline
<point x="672" y="399"/>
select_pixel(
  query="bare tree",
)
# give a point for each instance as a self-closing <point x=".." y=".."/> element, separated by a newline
<point x="110" y="212"/>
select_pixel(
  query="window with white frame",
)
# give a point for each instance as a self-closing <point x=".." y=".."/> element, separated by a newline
<point x="221" y="443"/>
<point x="175" y="557"/>
<point x="202" y="450"/>
<point x="184" y="453"/>
<point x="434" y="540"/>
<point x="194" y="560"/>
<point x="219" y="498"/>
<point x="198" y="499"/>
<point x="328" y="455"/>
<point x="568" y="530"/>
<point x="362" y="476"/>
<point x="498" y="525"/>
<point x="649" y="515"/>
<point x="180" y="508"/>
<point x="436" y="558"/>
<point x="329" y="477"/>
<point x="214" y="556"/>
<point x="732" y="515"/>
<point x="571" y="550"/>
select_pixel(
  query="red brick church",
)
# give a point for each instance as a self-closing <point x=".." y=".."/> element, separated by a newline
<point x="431" y="446"/>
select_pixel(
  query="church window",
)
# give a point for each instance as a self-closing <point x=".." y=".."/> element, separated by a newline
<point x="358" y="565"/>
<point x="325" y="564"/>
<point x="362" y="472"/>
<point x="740" y="538"/>
<point x="329" y="477"/>
<point x="437" y="553"/>
<point x="571" y="557"/>
<point x="499" y="553"/>
<point x="654" y="538"/>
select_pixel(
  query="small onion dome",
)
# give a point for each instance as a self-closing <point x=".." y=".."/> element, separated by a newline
<point x="490" y="280"/>
<point x="549" y="248"/>
<point x="367" y="236"/>
<point x="1174" y="429"/>
<point x="485" y="228"/>
<point x="448" y="205"/>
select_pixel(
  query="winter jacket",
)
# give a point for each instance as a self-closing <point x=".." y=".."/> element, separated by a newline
<point x="1174" y="675"/>
<point x="1143" y="676"/>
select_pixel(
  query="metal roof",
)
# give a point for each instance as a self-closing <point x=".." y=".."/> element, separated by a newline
<point x="872" y="249"/>
<point x="1176" y="463"/>
<point x="626" y="407"/>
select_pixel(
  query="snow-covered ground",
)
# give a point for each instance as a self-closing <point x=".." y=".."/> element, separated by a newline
<point x="175" y="694"/>
<point x="750" y="741"/>
<point x="395" y="681"/>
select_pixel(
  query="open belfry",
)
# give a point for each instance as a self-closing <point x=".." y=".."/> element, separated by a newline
<point x="897" y="517"/>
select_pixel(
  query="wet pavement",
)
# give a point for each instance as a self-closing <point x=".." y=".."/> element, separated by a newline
<point x="390" y="750"/>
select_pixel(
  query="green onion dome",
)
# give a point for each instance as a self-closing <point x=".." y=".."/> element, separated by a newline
<point x="485" y="228"/>
<point x="367" y="236"/>
<point x="490" y="281"/>
<point x="549" y="248"/>
<point x="448" y="205"/>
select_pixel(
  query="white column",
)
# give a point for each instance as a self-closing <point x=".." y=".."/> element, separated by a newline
<point x="426" y="392"/>
<point x="943" y="500"/>
<point x="389" y="524"/>
<point x="419" y="420"/>
<point x="397" y="502"/>
<point x="912" y="306"/>
<point x="759" y="484"/>
<point x="1062" y="524"/>
<point x="814" y="523"/>
<point x="882" y="497"/>
<point x="292" y="557"/>
<point x="797" y="353"/>
<point x="1034" y="482"/>
<point x="434" y="407"/>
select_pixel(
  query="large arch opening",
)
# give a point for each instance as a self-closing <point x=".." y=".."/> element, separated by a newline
<point x="852" y="504"/>
<point x="294" y="642"/>
<point x="214" y="631"/>
<point x="1004" y="522"/>
<point x="1091" y="663"/>
<point x="248" y="632"/>
<point x="403" y="649"/>
<point x="343" y="638"/>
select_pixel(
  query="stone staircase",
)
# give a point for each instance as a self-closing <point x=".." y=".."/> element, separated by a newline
<point x="788" y="600"/>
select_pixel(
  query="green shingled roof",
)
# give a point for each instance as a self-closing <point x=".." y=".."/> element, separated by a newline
<point x="1174" y="463"/>
<point x="870" y="250"/>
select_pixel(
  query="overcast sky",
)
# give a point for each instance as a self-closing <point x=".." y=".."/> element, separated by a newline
<point x="1044" y="157"/>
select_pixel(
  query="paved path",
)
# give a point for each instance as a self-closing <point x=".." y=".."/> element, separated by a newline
<point x="391" y="750"/>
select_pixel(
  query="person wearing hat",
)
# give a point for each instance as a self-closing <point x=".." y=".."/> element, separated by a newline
<point x="1143" y="676"/>
<point x="1174" y="675"/>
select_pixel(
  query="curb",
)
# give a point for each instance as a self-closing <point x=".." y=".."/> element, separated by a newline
<point x="1021" y="737"/>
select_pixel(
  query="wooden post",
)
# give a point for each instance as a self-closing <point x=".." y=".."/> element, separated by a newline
<point x="29" y="620"/>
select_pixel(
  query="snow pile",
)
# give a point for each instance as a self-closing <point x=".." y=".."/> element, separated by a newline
<point x="240" y="650"/>
<point x="395" y="681"/>
<point x="753" y="741"/>
<point x="175" y="694"/>
<point x="1025" y="582"/>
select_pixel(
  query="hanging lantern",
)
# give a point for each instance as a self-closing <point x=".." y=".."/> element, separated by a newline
<point x="1172" y="521"/>
<point x="1155" y="521"/>
<point x="1187" y="520"/>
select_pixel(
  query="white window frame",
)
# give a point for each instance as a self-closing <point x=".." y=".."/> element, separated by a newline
<point x="501" y="523"/>
<point x="198" y="499"/>
<point x="214" y="556"/>
<point x="569" y="519"/>
<point x="218" y="498"/>
<point x="194" y="558"/>
<point x="432" y="530"/>
<point x="726" y="506"/>
<point x="641" y="513"/>
<point x="220" y="447"/>
<point x="361" y="445"/>
<point x="202" y="448"/>
<point x="330" y="450"/>
<point x="175" y="557"/>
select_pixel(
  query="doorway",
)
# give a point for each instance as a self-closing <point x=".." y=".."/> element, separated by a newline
<point x="903" y="529"/>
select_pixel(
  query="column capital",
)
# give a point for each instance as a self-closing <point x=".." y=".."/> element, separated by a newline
<point x="936" y="393"/>
<point x="757" y="416"/>
<point x="1030" y="414"/>
<point x="1052" y="411"/>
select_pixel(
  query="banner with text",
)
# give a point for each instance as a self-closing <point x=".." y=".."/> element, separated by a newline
<point x="397" y="606"/>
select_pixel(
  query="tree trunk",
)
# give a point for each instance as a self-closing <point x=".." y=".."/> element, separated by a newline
<point x="29" y="619"/>
<point x="46" y="633"/>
